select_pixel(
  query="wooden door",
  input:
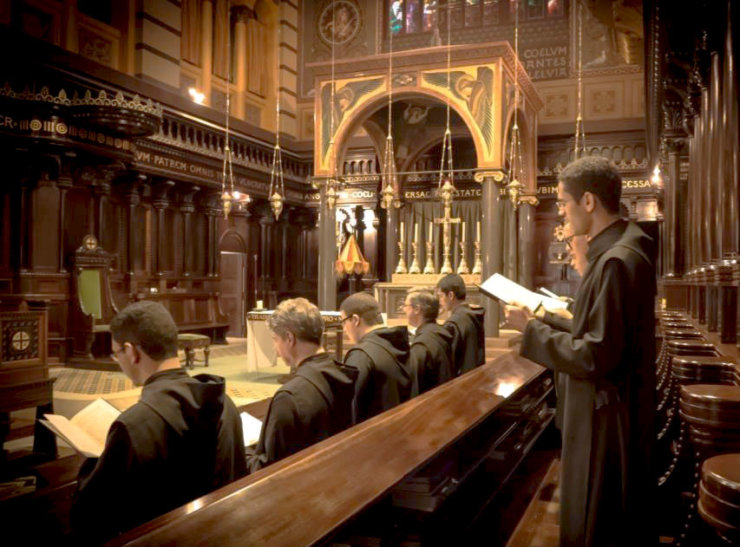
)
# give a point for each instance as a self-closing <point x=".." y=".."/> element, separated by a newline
<point x="233" y="285"/>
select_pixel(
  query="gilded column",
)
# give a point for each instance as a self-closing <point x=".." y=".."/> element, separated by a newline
<point x="241" y="14"/>
<point x="491" y="239"/>
<point x="206" y="48"/>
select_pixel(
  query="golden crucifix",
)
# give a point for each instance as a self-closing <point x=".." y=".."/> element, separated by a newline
<point x="446" y="193"/>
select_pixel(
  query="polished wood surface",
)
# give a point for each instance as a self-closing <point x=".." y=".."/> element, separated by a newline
<point x="342" y="475"/>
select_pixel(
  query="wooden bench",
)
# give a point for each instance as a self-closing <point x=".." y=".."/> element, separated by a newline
<point x="484" y="422"/>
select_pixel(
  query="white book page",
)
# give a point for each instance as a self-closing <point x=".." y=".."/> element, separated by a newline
<point x="73" y="435"/>
<point x="96" y="418"/>
<point x="507" y="291"/>
<point x="251" y="428"/>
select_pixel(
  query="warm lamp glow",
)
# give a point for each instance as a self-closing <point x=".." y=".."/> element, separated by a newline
<point x="657" y="179"/>
<point x="196" y="95"/>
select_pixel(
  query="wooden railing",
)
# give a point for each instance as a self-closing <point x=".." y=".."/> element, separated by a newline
<point x="310" y="496"/>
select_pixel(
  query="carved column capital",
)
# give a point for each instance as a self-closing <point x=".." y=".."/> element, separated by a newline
<point x="242" y="14"/>
<point x="187" y="198"/>
<point x="160" y="200"/>
<point x="495" y="176"/>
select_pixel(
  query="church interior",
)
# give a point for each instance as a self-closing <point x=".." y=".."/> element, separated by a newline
<point x="219" y="157"/>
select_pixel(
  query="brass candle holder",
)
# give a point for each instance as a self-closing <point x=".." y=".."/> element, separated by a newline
<point x="462" y="268"/>
<point x="429" y="267"/>
<point x="401" y="268"/>
<point x="478" y="265"/>
<point x="415" y="268"/>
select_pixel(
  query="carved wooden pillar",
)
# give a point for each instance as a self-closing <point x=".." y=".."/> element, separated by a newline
<point x="187" y="208"/>
<point x="266" y="221"/>
<point x="101" y="192"/>
<point x="64" y="183"/>
<point x="212" y="210"/>
<point x="673" y="211"/>
<point x="527" y="207"/>
<point x="391" y="241"/>
<point x="716" y="190"/>
<point x="731" y="159"/>
<point x="491" y="240"/>
<point x="24" y="240"/>
<point x="510" y="262"/>
<point x="160" y="202"/>
<point x="132" y="199"/>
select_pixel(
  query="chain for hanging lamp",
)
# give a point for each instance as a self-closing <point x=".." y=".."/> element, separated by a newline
<point x="579" y="144"/>
<point x="446" y="184"/>
<point x="388" y="195"/>
<point x="516" y="167"/>
<point x="228" y="194"/>
<point x="332" y="183"/>
<point x="277" y="186"/>
<point x="227" y="174"/>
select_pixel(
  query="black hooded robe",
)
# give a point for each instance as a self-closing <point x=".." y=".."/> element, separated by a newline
<point x="469" y="338"/>
<point x="312" y="406"/>
<point x="430" y="358"/>
<point x="383" y="381"/>
<point x="606" y="365"/>
<point x="182" y="440"/>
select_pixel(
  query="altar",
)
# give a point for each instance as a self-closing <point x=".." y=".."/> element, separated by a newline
<point x="391" y="296"/>
<point x="261" y="351"/>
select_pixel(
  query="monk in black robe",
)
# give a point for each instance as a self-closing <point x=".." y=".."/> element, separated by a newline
<point x="182" y="440"/>
<point x="607" y="366"/>
<point x="430" y="356"/>
<point x="465" y="323"/>
<point x="380" y="357"/>
<point x="317" y="402"/>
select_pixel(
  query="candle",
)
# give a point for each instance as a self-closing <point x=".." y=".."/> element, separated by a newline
<point x="431" y="231"/>
<point x="402" y="231"/>
<point x="477" y="230"/>
<point x="462" y="231"/>
<point x="416" y="232"/>
<point x="259" y="304"/>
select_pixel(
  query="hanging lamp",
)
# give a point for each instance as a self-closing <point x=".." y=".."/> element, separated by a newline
<point x="446" y="185"/>
<point x="579" y="144"/>
<point x="228" y="194"/>
<point x="389" y="196"/>
<point x="516" y="167"/>
<point x="277" y="187"/>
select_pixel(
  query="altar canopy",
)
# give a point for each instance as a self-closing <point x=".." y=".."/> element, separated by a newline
<point x="479" y="89"/>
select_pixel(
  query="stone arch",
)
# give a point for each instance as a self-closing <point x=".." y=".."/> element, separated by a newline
<point x="368" y="107"/>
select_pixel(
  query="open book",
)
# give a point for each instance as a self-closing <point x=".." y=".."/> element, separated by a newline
<point x="504" y="289"/>
<point x="87" y="430"/>
<point x="251" y="428"/>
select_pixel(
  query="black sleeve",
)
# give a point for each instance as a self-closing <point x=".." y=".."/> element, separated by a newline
<point x="417" y="367"/>
<point x="360" y="361"/>
<point x="278" y="432"/>
<point x="106" y="487"/>
<point x="558" y="322"/>
<point x="600" y="348"/>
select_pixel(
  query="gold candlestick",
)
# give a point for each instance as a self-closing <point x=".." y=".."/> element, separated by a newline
<point x="401" y="268"/>
<point x="462" y="268"/>
<point x="478" y="266"/>
<point x="429" y="268"/>
<point x="415" y="268"/>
